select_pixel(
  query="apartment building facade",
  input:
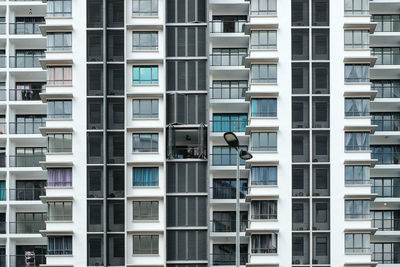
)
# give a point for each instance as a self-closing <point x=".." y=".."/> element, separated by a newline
<point x="112" y="140"/>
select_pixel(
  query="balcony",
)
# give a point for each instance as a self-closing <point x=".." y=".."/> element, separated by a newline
<point x="386" y="224"/>
<point x="229" y="258"/>
<point x="26" y="227"/>
<point x="386" y="154"/>
<point x="228" y="58"/>
<point x="21" y="260"/>
<point x="386" y="253"/>
<point x="26" y="127"/>
<point x="385" y="122"/>
<point x="386" y="89"/>
<point x="227" y="25"/>
<point x="228" y="93"/>
<point x="228" y="226"/>
<point x="386" y="187"/>
<point x="229" y="125"/>
<point x="226" y="188"/>
<point x="25" y="61"/>
<point x="23" y="194"/>
<point x="25" y="94"/>
<point x="386" y="23"/>
<point x="186" y="143"/>
<point x="26" y="160"/>
<point x="24" y="28"/>
<point x="220" y="158"/>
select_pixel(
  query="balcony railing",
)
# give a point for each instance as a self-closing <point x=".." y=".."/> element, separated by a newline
<point x="386" y="124"/>
<point x="386" y="157"/>
<point x="218" y="26"/>
<point x="387" y="224"/>
<point x="228" y="93"/>
<point x="26" y="193"/>
<point x="386" y="56"/>
<point x="228" y="226"/>
<point x="225" y="159"/>
<point x="26" y="127"/>
<point x="387" y="23"/>
<point x="25" y="61"/>
<point x="27" y="227"/>
<point x="221" y="126"/>
<point x="389" y="191"/>
<point x="228" y="258"/>
<point x="227" y="59"/>
<point x="26" y="160"/>
<point x="25" y="94"/>
<point x="228" y="192"/>
<point x="20" y="261"/>
<point x="25" y="28"/>
<point x="187" y="152"/>
<point x="386" y="89"/>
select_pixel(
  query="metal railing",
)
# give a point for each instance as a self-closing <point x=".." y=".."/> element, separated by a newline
<point x="386" y="191"/>
<point x="386" y="23"/>
<point x="386" y="124"/>
<point x="223" y="159"/>
<point x="228" y="258"/>
<point x="386" y="89"/>
<point x="387" y="224"/>
<point x="25" y="94"/>
<point x="26" y="160"/>
<point x="20" y="260"/>
<point x="221" y="126"/>
<point x="219" y="26"/>
<point x="26" y="193"/>
<point x="26" y="127"/>
<point x="228" y="226"/>
<point x="25" y="27"/>
<point x="386" y="56"/>
<point x="228" y="93"/>
<point x="228" y="192"/>
<point x="227" y="59"/>
<point x="25" y="61"/>
<point x="26" y="227"/>
<point x="386" y="157"/>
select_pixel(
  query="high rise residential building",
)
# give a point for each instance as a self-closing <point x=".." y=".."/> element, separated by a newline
<point x="112" y="115"/>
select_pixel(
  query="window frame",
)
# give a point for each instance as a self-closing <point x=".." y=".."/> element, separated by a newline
<point x="139" y="145"/>
<point x="153" y="181"/>
<point x="142" y="103"/>
<point x="66" y="37"/>
<point x="63" y="81"/>
<point x="66" y="142"/>
<point x="271" y="40"/>
<point x="153" y="210"/>
<point x="64" y="242"/>
<point x="351" y="173"/>
<point x="137" y="80"/>
<point x="141" y="47"/>
<point x="270" y="179"/>
<point x="351" y="44"/>
<point x="351" y="240"/>
<point x="139" y="11"/>
<point x="268" y="137"/>
<point x="259" y="77"/>
<point x="351" y="212"/>
<point x="146" y="251"/>
<point x="64" y="210"/>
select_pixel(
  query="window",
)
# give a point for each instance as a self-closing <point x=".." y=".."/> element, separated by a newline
<point x="229" y="122"/>
<point x="228" y="56"/>
<point x="59" y="8"/>
<point x="300" y="78"/>
<point x="357" y="243"/>
<point x="59" y="211"/>
<point x="356" y="141"/>
<point x="264" y="107"/>
<point x="144" y="41"/>
<point x="264" y="244"/>
<point x="357" y="174"/>
<point x="145" y="7"/>
<point x="386" y="220"/>
<point x="264" y="209"/>
<point x="59" y="142"/>
<point x="59" y="245"/>
<point x="59" y="177"/>
<point x="356" y="7"/>
<point x="300" y="44"/>
<point x="263" y="39"/>
<point x="385" y="253"/>
<point x="57" y="41"/>
<point x="145" y="108"/>
<point x="357" y="209"/>
<point x="226" y="156"/>
<point x="356" y="39"/>
<point x="300" y="10"/>
<point x="264" y="175"/>
<point x="320" y="146"/>
<point x="226" y="188"/>
<point x="264" y="141"/>
<point x="145" y="142"/>
<point x="386" y="121"/>
<point x="196" y="77"/>
<point x="59" y="76"/>
<point x="356" y="73"/>
<point x="321" y="248"/>
<point x="115" y="45"/>
<point x="145" y="176"/>
<point x="263" y="7"/>
<point x="59" y="109"/>
<point x="320" y="78"/>
<point x="265" y="73"/>
<point x="320" y="48"/>
<point x="386" y="154"/>
<point x="94" y="48"/>
<point x="386" y="187"/>
<point x="145" y="210"/>
<point x="300" y="112"/>
<point x="145" y="244"/>
<point x="145" y="75"/>
<point x="320" y="12"/>
<point x="356" y="107"/>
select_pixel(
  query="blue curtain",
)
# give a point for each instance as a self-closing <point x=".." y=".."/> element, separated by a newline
<point x="145" y="176"/>
<point x="2" y="190"/>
